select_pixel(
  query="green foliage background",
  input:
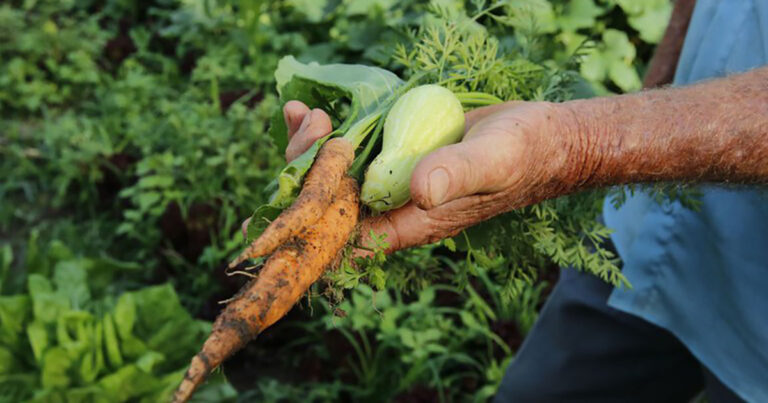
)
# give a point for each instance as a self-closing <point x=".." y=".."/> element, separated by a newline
<point x="133" y="142"/>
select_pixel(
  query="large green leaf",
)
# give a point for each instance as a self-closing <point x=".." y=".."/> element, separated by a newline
<point x="318" y="85"/>
<point x="365" y="85"/>
<point x="648" y="17"/>
<point x="74" y="352"/>
<point x="613" y="60"/>
<point x="14" y="314"/>
<point x="532" y="15"/>
<point x="128" y="382"/>
<point x="38" y="339"/>
<point x="56" y="366"/>
<point x="163" y="325"/>
<point x="313" y="10"/>
<point x="70" y="277"/>
<point x="47" y="304"/>
<point x="579" y="14"/>
<point x="365" y="7"/>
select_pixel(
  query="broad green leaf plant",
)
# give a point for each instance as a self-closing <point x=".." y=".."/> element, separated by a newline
<point x="64" y="339"/>
<point x="611" y="59"/>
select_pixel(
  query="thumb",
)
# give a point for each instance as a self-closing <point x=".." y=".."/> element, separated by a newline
<point x="480" y="164"/>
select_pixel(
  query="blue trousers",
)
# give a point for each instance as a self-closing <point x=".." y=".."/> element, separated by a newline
<point x="582" y="350"/>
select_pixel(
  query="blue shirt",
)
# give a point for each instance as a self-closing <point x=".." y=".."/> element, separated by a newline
<point x="704" y="275"/>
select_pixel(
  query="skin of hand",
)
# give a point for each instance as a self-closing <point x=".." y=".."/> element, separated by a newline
<point x="520" y="153"/>
<point x="488" y="173"/>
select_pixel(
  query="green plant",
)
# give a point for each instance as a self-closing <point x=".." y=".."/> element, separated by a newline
<point x="454" y="52"/>
<point x="67" y="337"/>
<point x="143" y="161"/>
<point x="439" y="338"/>
<point x="612" y="61"/>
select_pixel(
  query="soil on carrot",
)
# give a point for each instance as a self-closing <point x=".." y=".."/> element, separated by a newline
<point x="324" y="179"/>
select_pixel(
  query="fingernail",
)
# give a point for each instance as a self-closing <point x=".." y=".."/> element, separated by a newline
<point x="438" y="185"/>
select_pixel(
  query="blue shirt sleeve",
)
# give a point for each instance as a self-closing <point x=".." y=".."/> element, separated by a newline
<point x="703" y="275"/>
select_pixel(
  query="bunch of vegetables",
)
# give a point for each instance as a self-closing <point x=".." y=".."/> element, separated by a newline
<point x="384" y="127"/>
<point x="309" y="235"/>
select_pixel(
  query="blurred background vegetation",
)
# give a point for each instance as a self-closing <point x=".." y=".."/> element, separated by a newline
<point x="133" y="143"/>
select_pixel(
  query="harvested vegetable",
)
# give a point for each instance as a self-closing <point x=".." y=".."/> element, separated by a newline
<point x="317" y="221"/>
<point x="321" y="183"/>
<point x="286" y="276"/>
<point x="312" y="225"/>
<point x="421" y="121"/>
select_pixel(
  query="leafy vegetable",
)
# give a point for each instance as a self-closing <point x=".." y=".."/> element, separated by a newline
<point x="61" y="344"/>
<point x="368" y="90"/>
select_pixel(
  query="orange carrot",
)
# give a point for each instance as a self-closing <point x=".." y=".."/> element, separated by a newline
<point x="285" y="277"/>
<point x="316" y="195"/>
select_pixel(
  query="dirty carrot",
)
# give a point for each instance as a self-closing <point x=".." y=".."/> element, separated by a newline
<point x="316" y="195"/>
<point x="285" y="277"/>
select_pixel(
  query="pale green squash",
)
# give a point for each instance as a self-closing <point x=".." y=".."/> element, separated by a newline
<point x="422" y="120"/>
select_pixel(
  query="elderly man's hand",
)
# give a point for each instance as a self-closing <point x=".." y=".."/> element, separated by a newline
<point x="512" y="155"/>
<point x="517" y="154"/>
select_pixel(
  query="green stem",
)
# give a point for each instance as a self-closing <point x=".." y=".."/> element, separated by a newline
<point x="360" y="130"/>
<point x="477" y="99"/>
<point x="356" y="170"/>
<point x="488" y="10"/>
<point x="215" y="94"/>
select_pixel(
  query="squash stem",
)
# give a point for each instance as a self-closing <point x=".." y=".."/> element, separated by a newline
<point x="470" y="99"/>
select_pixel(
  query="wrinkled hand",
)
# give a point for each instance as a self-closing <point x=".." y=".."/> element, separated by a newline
<point x="512" y="155"/>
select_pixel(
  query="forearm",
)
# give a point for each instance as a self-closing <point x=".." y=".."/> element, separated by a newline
<point x="715" y="131"/>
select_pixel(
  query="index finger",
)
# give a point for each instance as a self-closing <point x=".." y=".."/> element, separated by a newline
<point x="476" y="115"/>
<point x="404" y="227"/>
<point x="410" y="226"/>
<point x="294" y="113"/>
